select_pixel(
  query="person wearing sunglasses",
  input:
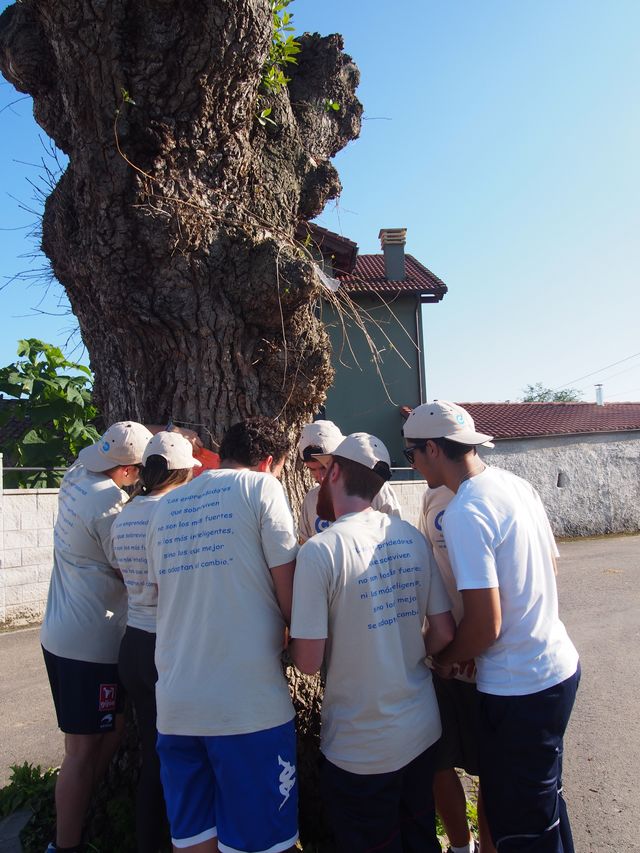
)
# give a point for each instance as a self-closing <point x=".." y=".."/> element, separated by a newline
<point x="502" y="554"/>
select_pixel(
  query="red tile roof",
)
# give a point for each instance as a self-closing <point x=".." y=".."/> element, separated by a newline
<point x="527" y="420"/>
<point x="369" y="276"/>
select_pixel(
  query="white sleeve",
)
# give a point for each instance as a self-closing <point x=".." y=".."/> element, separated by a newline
<point x="470" y="544"/>
<point x="311" y="592"/>
<point x="277" y="530"/>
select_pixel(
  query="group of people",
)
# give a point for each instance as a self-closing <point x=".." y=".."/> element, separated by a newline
<point x="440" y="648"/>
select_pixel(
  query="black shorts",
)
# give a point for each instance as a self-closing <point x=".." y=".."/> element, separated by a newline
<point x="458" y="702"/>
<point x="87" y="695"/>
<point x="385" y="812"/>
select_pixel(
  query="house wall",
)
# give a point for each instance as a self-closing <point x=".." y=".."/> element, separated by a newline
<point x="359" y="399"/>
<point x="600" y="475"/>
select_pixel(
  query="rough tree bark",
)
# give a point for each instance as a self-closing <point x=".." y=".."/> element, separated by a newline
<point x="172" y="227"/>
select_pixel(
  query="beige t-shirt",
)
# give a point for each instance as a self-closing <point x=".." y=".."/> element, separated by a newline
<point x="365" y="585"/>
<point x="434" y="503"/>
<point x="87" y="605"/>
<point x="129" y="539"/>
<point x="310" y="523"/>
<point x="220" y="632"/>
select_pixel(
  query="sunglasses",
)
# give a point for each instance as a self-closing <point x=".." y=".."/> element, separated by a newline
<point x="409" y="452"/>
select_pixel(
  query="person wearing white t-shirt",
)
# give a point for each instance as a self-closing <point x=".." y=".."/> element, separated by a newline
<point x="361" y="593"/>
<point x="167" y="463"/>
<point x="323" y="437"/>
<point x="85" y="617"/>
<point x="503" y="556"/>
<point x="221" y="551"/>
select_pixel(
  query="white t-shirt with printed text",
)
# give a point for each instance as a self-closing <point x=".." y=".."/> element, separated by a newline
<point x="498" y="536"/>
<point x="220" y="632"/>
<point x="365" y="585"/>
<point x="86" y="609"/>
<point x="129" y="539"/>
<point x="310" y="523"/>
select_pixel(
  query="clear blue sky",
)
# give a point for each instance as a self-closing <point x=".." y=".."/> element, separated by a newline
<point x="504" y="136"/>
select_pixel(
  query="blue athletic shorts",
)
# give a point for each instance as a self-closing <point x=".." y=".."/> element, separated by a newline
<point x="239" y="788"/>
<point x="87" y="695"/>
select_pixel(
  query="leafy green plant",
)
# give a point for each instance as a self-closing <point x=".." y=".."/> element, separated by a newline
<point x="283" y="49"/>
<point x="31" y="787"/>
<point x="50" y="400"/>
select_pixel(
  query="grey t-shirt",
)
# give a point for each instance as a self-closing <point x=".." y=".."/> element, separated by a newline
<point x="129" y="539"/>
<point x="366" y="585"/>
<point x="310" y="523"/>
<point x="87" y="605"/>
<point x="220" y="632"/>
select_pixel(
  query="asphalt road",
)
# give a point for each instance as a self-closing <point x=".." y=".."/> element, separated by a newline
<point x="599" y="584"/>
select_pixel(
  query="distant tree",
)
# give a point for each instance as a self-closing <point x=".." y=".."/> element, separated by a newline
<point x="49" y="400"/>
<point x="539" y="394"/>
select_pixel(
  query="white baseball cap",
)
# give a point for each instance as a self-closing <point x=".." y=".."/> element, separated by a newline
<point x="122" y="444"/>
<point x="442" y="419"/>
<point x="363" y="448"/>
<point x="174" y="448"/>
<point x="320" y="435"/>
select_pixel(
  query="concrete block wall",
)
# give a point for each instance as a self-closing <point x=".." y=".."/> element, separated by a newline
<point x="409" y="493"/>
<point x="27" y="517"/>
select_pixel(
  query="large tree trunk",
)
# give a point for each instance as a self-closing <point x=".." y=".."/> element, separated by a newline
<point x="172" y="227"/>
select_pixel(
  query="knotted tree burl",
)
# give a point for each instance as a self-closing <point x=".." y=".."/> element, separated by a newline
<point x="172" y="228"/>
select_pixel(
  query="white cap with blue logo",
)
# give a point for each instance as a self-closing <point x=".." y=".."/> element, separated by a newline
<point x="122" y="444"/>
<point x="442" y="419"/>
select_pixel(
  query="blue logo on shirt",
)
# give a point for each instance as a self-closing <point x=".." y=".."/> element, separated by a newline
<point x="438" y="520"/>
<point x="321" y="525"/>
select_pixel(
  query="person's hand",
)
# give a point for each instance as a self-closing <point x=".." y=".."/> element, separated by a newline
<point x="444" y="670"/>
<point x="192" y="437"/>
<point x="467" y="668"/>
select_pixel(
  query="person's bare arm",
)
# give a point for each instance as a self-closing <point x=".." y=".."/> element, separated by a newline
<point x="190" y="434"/>
<point x="439" y="633"/>
<point x="307" y="655"/>
<point x="283" y="583"/>
<point x="479" y="628"/>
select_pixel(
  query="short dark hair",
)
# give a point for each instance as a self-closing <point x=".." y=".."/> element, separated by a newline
<point x="251" y="441"/>
<point x="359" y="481"/>
<point x="453" y="449"/>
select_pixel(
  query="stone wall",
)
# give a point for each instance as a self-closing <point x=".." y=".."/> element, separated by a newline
<point x="589" y="484"/>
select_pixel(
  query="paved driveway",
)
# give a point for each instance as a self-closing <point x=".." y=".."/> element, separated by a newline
<point x="599" y="585"/>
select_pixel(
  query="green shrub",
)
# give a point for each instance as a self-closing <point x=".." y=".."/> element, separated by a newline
<point x="50" y="397"/>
